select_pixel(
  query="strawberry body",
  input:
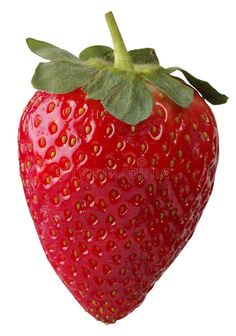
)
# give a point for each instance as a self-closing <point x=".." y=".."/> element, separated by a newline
<point x="114" y="204"/>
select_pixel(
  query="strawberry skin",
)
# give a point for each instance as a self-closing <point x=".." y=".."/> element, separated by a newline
<point x="114" y="204"/>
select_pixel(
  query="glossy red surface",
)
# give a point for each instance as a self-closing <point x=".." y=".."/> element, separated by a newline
<point x="114" y="204"/>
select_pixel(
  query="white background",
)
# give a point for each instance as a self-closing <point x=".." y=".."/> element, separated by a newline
<point x="197" y="295"/>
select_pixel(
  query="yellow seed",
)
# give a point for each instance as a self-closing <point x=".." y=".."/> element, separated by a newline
<point x="103" y="114"/>
<point x="159" y="112"/>
<point x="102" y="176"/>
<point x="110" y="218"/>
<point x="172" y="162"/>
<point x="35" y="199"/>
<point x="81" y="157"/>
<point x="48" y="179"/>
<point x="76" y="254"/>
<point x="78" y="205"/>
<point x="161" y="215"/>
<point x="95" y="149"/>
<point x="90" y="198"/>
<point x="172" y="135"/>
<point x="87" y="129"/>
<point x="153" y="161"/>
<point x="56" y="219"/>
<point x="101" y="309"/>
<point x="65" y="191"/>
<point x="153" y="129"/>
<point x="176" y="120"/>
<point x="110" y="162"/>
<point x="52" y="154"/>
<point x="81" y="111"/>
<point x="37" y="102"/>
<point x="42" y="142"/>
<point x="39" y="162"/>
<point x="108" y="130"/>
<point x="67" y="164"/>
<point x="72" y="141"/>
<point x="197" y="152"/>
<point x="133" y="128"/>
<point x="169" y="204"/>
<point x="164" y="147"/>
<point x="53" y="233"/>
<point x="119" y="145"/>
<point x="51" y="107"/>
<point x="29" y="164"/>
<point x="205" y="135"/>
<point x="89" y="176"/>
<point x="150" y="188"/>
<point x="88" y="234"/>
<point x="65" y="243"/>
<point x="67" y="111"/>
<point x="121" y="231"/>
<point x="129" y="159"/>
<point x="54" y="128"/>
<point x="187" y="138"/>
<point x="180" y="154"/>
<point x="143" y="147"/>
<point x="194" y="126"/>
<point x="128" y="244"/>
<point x="122" y="270"/>
<point x="76" y="183"/>
<point x="64" y="139"/>
<point x="187" y="166"/>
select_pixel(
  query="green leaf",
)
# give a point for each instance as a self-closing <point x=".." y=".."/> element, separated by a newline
<point x="102" y="83"/>
<point x="123" y="94"/>
<point x="61" y="76"/>
<point x="97" y="51"/>
<point x="138" y="56"/>
<point x="144" y="56"/>
<point x="180" y="93"/>
<point x="49" y="51"/>
<point x="208" y="92"/>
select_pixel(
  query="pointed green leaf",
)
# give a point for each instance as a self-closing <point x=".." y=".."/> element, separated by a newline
<point x="49" y="51"/>
<point x="138" y="56"/>
<point x="123" y="94"/>
<point x="97" y="51"/>
<point x="131" y="103"/>
<point x="102" y="83"/>
<point x="208" y="92"/>
<point x="61" y="76"/>
<point x="144" y="56"/>
<point x="180" y="93"/>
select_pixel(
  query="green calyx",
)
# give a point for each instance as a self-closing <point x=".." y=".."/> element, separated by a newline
<point x="120" y="79"/>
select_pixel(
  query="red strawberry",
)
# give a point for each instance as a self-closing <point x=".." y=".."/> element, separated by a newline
<point x="117" y="165"/>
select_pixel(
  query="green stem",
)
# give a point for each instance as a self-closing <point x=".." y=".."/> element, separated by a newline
<point x="122" y="58"/>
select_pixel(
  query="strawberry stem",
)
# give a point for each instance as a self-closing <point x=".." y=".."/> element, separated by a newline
<point x="122" y="58"/>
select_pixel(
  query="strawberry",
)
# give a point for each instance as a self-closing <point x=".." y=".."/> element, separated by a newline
<point x="117" y="159"/>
